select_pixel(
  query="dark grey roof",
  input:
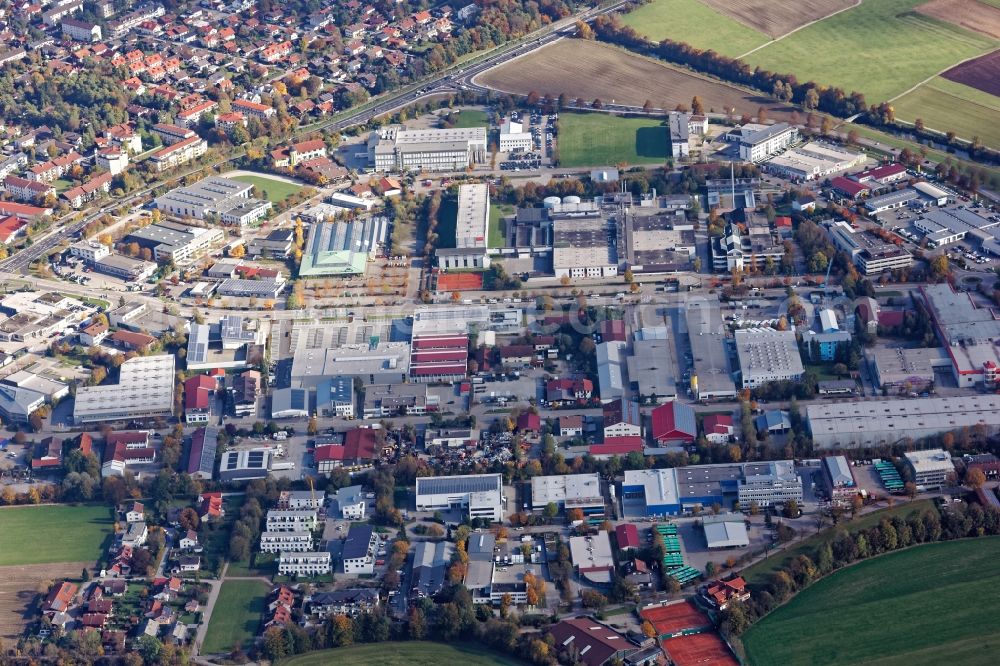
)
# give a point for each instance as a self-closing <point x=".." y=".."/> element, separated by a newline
<point x="358" y="539"/>
<point x="458" y="484"/>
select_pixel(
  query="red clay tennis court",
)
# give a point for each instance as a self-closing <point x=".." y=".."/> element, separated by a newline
<point x="699" y="650"/>
<point x="675" y="618"/>
<point x="459" y="281"/>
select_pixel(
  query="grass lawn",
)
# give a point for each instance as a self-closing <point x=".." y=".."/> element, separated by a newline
<point x="911" y="608"/>
<point x="274" y="190"/>
<point x="596" y="139"/>
<point x="880" y="48"/>
<point x="496" y="236"/>
<point x="45" y="534"/>
<point x="61" y="184"/>
<point x="471" y="118"/>
<point x="447" y="220"/>
<point x="949" y="106"/>
<point x="760" y="573"/>
<point x="410" y="653"/>
<point x="697" y="24"/>
<point x="263" y="564"/>
<point x="236" y="616"/>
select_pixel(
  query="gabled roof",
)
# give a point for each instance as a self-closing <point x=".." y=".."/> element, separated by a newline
<point x="674" y="421"/>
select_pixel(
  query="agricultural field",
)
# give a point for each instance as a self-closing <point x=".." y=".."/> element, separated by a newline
<point x="945" y="106"/>
<point x="274" y="190"/>
<point x="982" y="73"/>
<point x="58" y="533"/>
<point x="777" y="17"/>
<point x="760" y="573"/>
<point x="969" y="14"/>
<point x="590" y="70"/>
<point x="19" y="588"/>
<point x="695" y="23"/>
<point x="880" y="48"/>
<point x="596" y="139"/>
<point x="236" y="616"/>
<point x="914" y="607"/>
<point x="411" y="653"/>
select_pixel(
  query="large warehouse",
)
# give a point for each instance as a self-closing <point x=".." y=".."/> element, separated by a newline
<point x="229" y="199"/>
<point x="671" y="491"/>
<point x="869" y="423"/>
<point x="568" y="491"/>
<point x="713" y="376"/>
<point x="479" y="495"/>
<point x="394" y="148"/>
<point x="145" y="389"/>
<point x="767" y="355"/>
<point x="969" y="334"/>
<point x="343" y="248"/>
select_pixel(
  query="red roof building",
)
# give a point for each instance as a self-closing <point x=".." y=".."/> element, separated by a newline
<point x="60" y="597"/>
<point x="48" y="454"/>
<point x="360" y="446"/>
<point x="674" y="423"/>
<point x="529" y="422"/>
<point x="627" y="536"/>
<point x="718" y="427"/>
<point x="198" y="393"/>
<point x="595" y="643"/>
<point x="721" y="592"/>
<point x="613" y="329"/>
<point x="211" y="506"/>
<point x="617" y="446"/>
<point x="883" y="175"/>
<point x="439" y="358"/>
<point x="851" y="189"/>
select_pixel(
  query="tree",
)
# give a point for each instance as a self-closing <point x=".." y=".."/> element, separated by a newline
<point x="697" y="108"/>
<point x="275" y="643"/>
<point x="761" y="115"/>
<point x="791" y="509"/>
<point x="648" y="630"/>
<point x="238" y="252"/>
<point x="189" y="519"/>
<point x="149" y="648"/>
<point x="975" y="478"/>
<point x="597" y="103"/>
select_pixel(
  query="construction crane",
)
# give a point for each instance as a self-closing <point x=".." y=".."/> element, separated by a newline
<point x="826" y="280"/>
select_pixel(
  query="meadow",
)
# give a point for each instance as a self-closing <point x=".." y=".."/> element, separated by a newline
<point x="58" y="533"/>
<point x="596" y="139"/>
<point x="412" y="653"/>
<point x="921" y="606"/>
<point x="946" y="106"/>
<point x="697" y="24"/>
<point x="236" y="617"/>
<point x="274" y="190"/>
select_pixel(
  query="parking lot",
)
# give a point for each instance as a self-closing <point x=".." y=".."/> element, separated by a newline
<point x="543" y="136"/>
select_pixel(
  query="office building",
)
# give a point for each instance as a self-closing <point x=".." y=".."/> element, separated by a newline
<point x="761" y="144"/>
<point x="479" y="495"/>
<point x="871" y="423"/>
<point x="737" y="250"/>
<point x="385" y="400"/>
<point x="145" y="389"/>
<point x="568" y="491"/>
<point x="343" y="248"/>
<point x="870" y="254"/>
<point x="335" y="397"/>
<point x="176" y="242"/>
<point x="767" y="355"/>
<point x="931" y="469"/>
<point x="394" y="148"/>
<point x="513" y="138"/>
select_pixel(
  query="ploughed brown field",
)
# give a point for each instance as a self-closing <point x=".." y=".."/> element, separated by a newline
<point x="590" y="70"/>
<point x="777" y="17"/>
<point x="969" y="14"/>
<point x="983" y="73"/>
<point x="19" y="593"/>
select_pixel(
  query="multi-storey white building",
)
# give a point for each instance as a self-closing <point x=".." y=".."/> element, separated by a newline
<point x="394" y="148"/>
<point x="314" y="563"/>
<point x="359" y="550"/>
<point x="179" y="153"/>
<point x="767" y="355"/>
<point x="480" y="494"/>
<point x="765" y="142"/>
<point x="301" y="499"/>
<point x="291" y="520"/>
<point x="292" y="542"/>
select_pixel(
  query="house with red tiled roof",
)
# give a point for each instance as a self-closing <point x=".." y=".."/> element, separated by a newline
<point x="11" y="227"/>
<point x="721" y="593"/>
<point x="211" y="506"/>
<point x="199" y="391"/>
<point x="292" y="154"/>
<point x="60" y="597"/>
<point x="48" y="454"/>
<point x="718" y="428"/>
<point x="627" y="536"/>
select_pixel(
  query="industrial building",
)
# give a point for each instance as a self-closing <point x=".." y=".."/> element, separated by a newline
<point x="290" y="403"/>
<point x="870" y="423"/>
<point x="145" y="389"/>
<point x="674" y="423"/>
<point x="905" y="370"/>
<point x="394" y="148"/>
<point x="374" y="363"/>
<point x="439" y="358"/>
<point x="870" y="254"/>
<point x="724" y="531"/>
<point x="611" y="368"/>
<point x="385" y="400"/>
<point x="343" y="248"/>
<point x="244" y="465"/>
<point x="592" y="557"/>
<point x="680" y="134"/>
<point x="712" y="377"/>
<point x="584" y="247"/>
<point x="230" y="200"/>
<point x="837" y="480"/>
<point x="736" y="250"/>
<point x="931" y="469"/>
<point x="668" y="492"/>
<point x="968" y="333"/>
<point x="568" y="491"/>
<point x="176" y="242"/>
<point x="430" y="567"/>
<point x="761" y="144"/>
<point x="767" y="355"/>
<point x="658" y="243"/>
<point x="479" y="495"/>
<point x="335" y="397"/>
<point x="650" y="366"/>
<point x="815" y="160"/>
<point x="471" y="230"/>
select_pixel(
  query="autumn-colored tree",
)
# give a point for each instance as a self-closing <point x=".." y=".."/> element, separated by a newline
<point x="975" y="478"/>
<point x="648" y="630"/>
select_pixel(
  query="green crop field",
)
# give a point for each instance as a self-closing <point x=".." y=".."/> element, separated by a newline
<point x="880" y="48"/>
<point x="471" y="118"/>
<point x="761" y="572"/>
<point x="945" y="106"/>
<point x="413" y="653"/>
<point x="236" y="616"/>
<point x="922" y="606"/>
<point x="597" y="139"/>
<point x="46" y="534"/>
<point x="274" y="190"/>
<point x="696" y="24"/>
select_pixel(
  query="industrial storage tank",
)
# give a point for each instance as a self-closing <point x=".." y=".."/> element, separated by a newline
<point x="550" y="202"/>
<point x="571" y="199"/>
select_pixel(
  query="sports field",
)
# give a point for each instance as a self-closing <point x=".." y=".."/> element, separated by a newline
<point x="697" y="24"/>
<point x="597" y="139"/>
<point x="236" y="616"/>
<point x="44" y="534"/>
<point x="274" y="190"/>
<point x="413" y="653"/>
<point x="760" y="573"/>
<point x="948" y="106"/>
<point x="880" y="48"/>
<point x="928" y="605"/>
